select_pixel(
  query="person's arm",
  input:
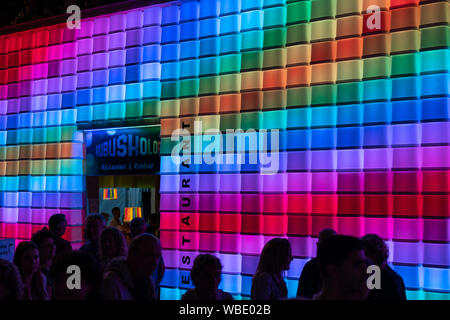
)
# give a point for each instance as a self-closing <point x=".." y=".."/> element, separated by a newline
<point x="262" y="287"/>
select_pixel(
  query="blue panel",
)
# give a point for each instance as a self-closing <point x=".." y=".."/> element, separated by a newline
<point x="298" y="118"/>
<point x="209" y="8"/>
<point x="133" y="73"/>
<point x="100" y="95"/>
<point x="209" y="47"/>
<point x="170" y="34"/>
<point x="435" y="61"/>
<point x="209" y="28"/>
<point x="323" y="138"/>
<point x="410" y="275"/>
<point x="25" y="184"/>
<point x="12" y="137"/>
<point x="170" y="71"/>
<point x="13" y="121"/>
<point x="170" y="278"/>
<point x="83" y="97"/>
<point x="230" y="7"/>
<point x="133" y="91"/>
<point x="251" y="20"/>
<point x="152" y="16"/>
<point x="436" y="279"/>
<point x="377" y="112"/>
<point x="11" y="199"/>
<point x="151" y="71"/>
<point x="299" y="139"/>
<point x="133" y="55"/>
<point x="51" y="199"/>
<point x="134" y="38"/>
<point x="436" y="84"/>
<point x="230" y="283"/>
<point x="230" y="44"/>
<point x="39" y="119"/>
<point x="251" y="5"/>
<point x="25" y="199"/>
<point x="3" y="122"/>
<point x="349" y="137"/>
<point x="189" y="11"/>
<point x="116" y="93"/>
<point x="404" y="88"/>
<point x="84" y="114"/>
<point x="69" y="100"/>
<point x="406" y="134"/>
<point x="246" y="285"/>
<point x="152" y="53"/>
<point x="116" y="75"/>
<point x="151" y="89"/>
<point x="100" y="78"/>
<point x="185" y="275"/>
<point x="435" y="109"/>
<point x="189" y="31"/>
<point x="38" y="183"/>
<point x="51" y="184"/>
<point x="209" y="66"/>
<point x="53" y="118"/>
<point x="189" y="50"/>
<point x="152" y="35"/>
<point x="189" y="69"/>
<point x="271" y="3"/>
<point x="71" y="183"/>
<point x="275" y="17"/>
<point x="252" y="40"/>
<point x="376" y="136"/>
<point x="53" y="101"/>
<point x="323" y="116"/>
<point x="170" y="15"/>
<point x="26" y="136"/>
<point x="25" y="120"/>
<point x="170" y="52"/>
<point x="230" y="24"/>
<point x="116" y="58"/>
<point x="351" y="114"/>
<point x="406" y="110"/>
<point x="38" y="200"/>
<point x="376" y="90"/>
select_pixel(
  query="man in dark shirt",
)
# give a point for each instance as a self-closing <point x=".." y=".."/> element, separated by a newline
<point x="392" y="285"/>
<point x="310" y="281"/>
<point x="57" y="224"/>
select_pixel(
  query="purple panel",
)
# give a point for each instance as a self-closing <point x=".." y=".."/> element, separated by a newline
<point x="436" y="229"/>
<point x="54" y="85"/>
<point x="38" y="216"/>
<point x="377" y="158"/>
<point x="69" y="50"/>
<point x="230" y="202"/>
<point x="25" y="104"/>
<point x="87" y="27"/>
<point x="406" y="158"/>
<point x="324" y="182"/>
<point x="407" y="252"/>
<point x="117" y="40"/>
<point x="252" y="244"/>
<point x="101" y="26"/>
<point x="250" y="263"/>
<point x="188" y="202"/>
<point x="100" y="44"/>
<point x="74" y="217"/>
<point x="13" y="106"/>
<point x="25" y="215"/>
<point x="210" y="202"/>
<point x="171" y="258"/>
<point x="13" y="90"/>
<point x="26" y="88"/>
<point x="169" y="202"/>
<point x="190" y="182"/>
<point x="152" y="35"/>
<point x="85" y="46"/>
<point x="299" y="182"/>
<point x="71" y="200"/>
<point x="251" y="182"/>
<point x="324" y="160"/>
<point x="301" y="246"/>
<point x="152" y="16"/>
<point x="437" y="254"/>
<point x="274" y="182"/>
<point x="436" y="157"/>
<point x="209" y="183"/>
<point x="52" y="200"/>
<point x="380" y="226"/>
<point x="350" y="159"/>
<point x="84" y="80"/>
<point x="299" y="160"/>
<point x="54" y="69"/>
<point x="100" y="60"/>
<point x="40" y="71"/>
<point x="351" y="182"/>
<point x="117" y="22"/>
<point x="230" y="243"/>
<point x="230" y="182"/>
<point x="436" y="132"/>
<point x="170" y="183"/>
<point x="69" y="67"/>
<point x="39" y="87"/>
<point x="208" y="241"/>
<point x="135" y="19"/>
<point x="407" y="229"/>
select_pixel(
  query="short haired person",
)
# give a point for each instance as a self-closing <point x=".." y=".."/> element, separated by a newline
<point x="344" y="270"/>
<point x="392" y="285"/>
<point x="116" y="221"/>
<point x="57" y="224"/>
<point x="95" y="223"/>
<point x="268" y="282"/>
<point x="310" y="281"/>
<point x="45" y="241"/>
<point x="129" y="278"/>
<point x="206" y="274"/>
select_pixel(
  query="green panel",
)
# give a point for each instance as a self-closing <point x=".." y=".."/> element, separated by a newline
<point x="38" y="167"/>
<point x="274" y="99"/>
<point x="189" y="88"/>
<point x="435" y="61"/>
<point x="435" y="37"/>
<point x="68" y="133"/>
<point x="252" y="60"/>
<point x="71" y="166"/>
<point x="274" y="17"/>
<point x="379" y="67"/>
<point x="167" y="145"/>
<point x="230" y="83"/>
<point x="351" y="92"/>
<point x="298" y="97"/>
<point x="100" y="112"/>
<point x="437" y="296"/>
<point x="275" y="120"/>
<point x="321" y="9"/>
<point x="116" y="110"/>
<point x="345" y="7"/>
<point x="133" y="110"/>
<point x="299" y="12"/>
<point x="299" y="33"/>
<point x="230" y="63"/>
<point x="415" y="295"/>
<point x="252" y="40"/>
<point x="170" y="108"/>
<point x="209" y="66"/>
<point x="170" y="90"/>
<point x="209" y="85"/>
<point x="274" y="58"/>
<point x="52" y="167"/>
<point x="151" y="108"/>
<point x="230" y="121"/>
<point x="3" y="153"/>
<point x="251" y="120"/>
<point x="405" y="64"/>
<point x="324" y="94"/>
<point x="53" y="134"/>
<point x="404" y="41"/>
<point x="274" y="38"/>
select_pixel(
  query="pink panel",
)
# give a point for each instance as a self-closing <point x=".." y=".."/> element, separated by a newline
<point x="324" y="182"/>
<point x="380" y="226"/>
<point x="208" y="241"/>
<point x="230" y="243"/>
<point x="169" y="239"/>
<point x="230" y="202"/>
<point x="436" y="157"/>
<point x="169" y="220"/>
<point x="407" y="229"/>
<point x="299" y="181"/>
<point x="251" y="244"/>
<point x="352" y="226"/>
<point x="301" y="246"/>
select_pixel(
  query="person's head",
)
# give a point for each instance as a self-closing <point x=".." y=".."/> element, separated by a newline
<point x="375" y="249"/>
<point x="26" y="258"/>
<point x="116" y="213"/>
<point x="11" y="286"/>
<point x="137" y="226"/>
<point x="112" y="244"/>
<point x="57" y="224"/>
<point x="90" y="276"/>
<point x="45" y="241"/>
<point x="144" y="253"/>
<point x="105" y="216"/>
<point x="94" y="227"/>
<point x="343" y="265"/>
<point x="206" y="274"/>
<point x="325" y="234"/>
<point x="276" y="257"/>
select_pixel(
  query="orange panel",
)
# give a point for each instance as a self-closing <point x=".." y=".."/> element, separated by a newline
<point x="209" y="104"/>
<point x="2" y="168"/>
<point x="299" y="76"/>
<point x="39" y="151"/>
<point x="379" y="44"/>
<point x="274" y="79"/>
<point x="169" y="125"/>
<point x="53" y="150"/>
<point x="230" y="102"/>
<point x="349" y="49"/>
<point x="349" y="26"/>
<point x="402" y="18"/>
<point x="189" y="106"/>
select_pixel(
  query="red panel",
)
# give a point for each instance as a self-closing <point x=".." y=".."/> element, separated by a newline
<point x="385" y="22"/>
<point x="251" y="223"/>
<point x="189" y="218"/>
<point x="13" y="75"/>
<point x="40" y="55"/>
<point x="409" y="181"/>
<point x="208" y="222"/>
<point x="403" y="3"/>
<point x="208" y="241"/>
<point x="274" y="79"/>
<point x="377" y="182"/>
<point x="41" y="38"/>
<point x="169" y="220"/>
<point x="403" y="18"/>
<point x="436" y="206"/>
<point x="299" y="203"/>
<point x="251" y="203"/>
<point x="324" y="204"/>
<point x="13" y="59"/>
<point x="299" y="225"/>
<point x="378" y="204"/>
<point x="251" y="100"/>
<point x="407" y="205"/>
<point x="275" y="225"/>
<point x="349" y="49"/>
<point x="436" y="181"/>
<point x="350" y="204"/>
<point x="230" y="223"/>
<point x="323" y="51"/>
<point x="10" y="230"/>
<point x="275" y="203"/>
<point x="27" y="40"/>
<point x="24" y="231"/>
<point x="169" y="239"/>
<point x="299" y="76"/>
<point x="320" y="223"/>
<point x="352" y="226"/>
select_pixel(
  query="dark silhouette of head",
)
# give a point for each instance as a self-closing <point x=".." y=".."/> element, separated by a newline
<point x="276" y="257"/>
<point x="90" y="276"/>
<point x="11" y="286"/>
<point x="137" y="226"/>
<point x="376" y="250"/>
<point x="116" y="213"/>
<point x="45" y="241"/>
<point x="112" y="244"/>
<point x="343" y="265"/>
<point x="95" y="223"/>
<point x="144" y="253"/>
<point x="57" y="224"/>
<point x="26" y="257"/>
<point x="206" y="274"/>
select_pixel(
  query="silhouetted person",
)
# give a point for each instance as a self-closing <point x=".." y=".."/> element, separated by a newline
<point x="137" y="226"/>
<point x="47" y="249"/>
<point x="26" y="258"/>
<point x="310" y="281"/>
<point x="344" y="270"/>
<point x="94" y="227"/>
<point x="206" y="274"/>
<point x="90" y="277"/>
<point x="130" y="278"/>
<point x="112" y="245"/>
<point x="116" y="221"/>
<point x="11" y="286"/>
<point x="392" y="285"/>
<point x="268" y="283"/>
<point x="57" y="224"/>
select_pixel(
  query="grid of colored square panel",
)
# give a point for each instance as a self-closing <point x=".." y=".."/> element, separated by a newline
<point x="363" y="116"/>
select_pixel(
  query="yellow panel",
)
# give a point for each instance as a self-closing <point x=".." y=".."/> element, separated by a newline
<point x="350" y="70"/>
<point x="323" y="30"/>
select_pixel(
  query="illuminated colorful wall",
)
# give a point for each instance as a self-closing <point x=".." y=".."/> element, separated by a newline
<point x="363" y="114"/>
